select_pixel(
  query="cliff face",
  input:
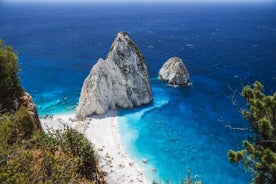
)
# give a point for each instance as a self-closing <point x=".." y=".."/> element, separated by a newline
<point x="121" y="80"/>
<point x="27" y="100"/>
<point x="12" y="104"/>
<point x="174" y="72"/>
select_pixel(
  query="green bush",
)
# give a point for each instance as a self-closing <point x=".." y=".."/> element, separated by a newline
<point x="76" y="144"/>
<point x="30" y="156"/>
<point x="9" y="82"/>
<point x="15" y="128"/>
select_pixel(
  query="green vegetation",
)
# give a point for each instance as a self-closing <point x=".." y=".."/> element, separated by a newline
<point x="259" y="153"/>
<point x="32" y="156"/>
<point x="9" y="82"/>
<point x="29" y="155"/>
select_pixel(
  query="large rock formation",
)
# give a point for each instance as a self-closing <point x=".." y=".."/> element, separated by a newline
<point x="174" y="72"/>
<point x="121" y="80"/>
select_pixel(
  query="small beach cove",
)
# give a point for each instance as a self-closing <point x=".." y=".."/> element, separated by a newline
<point x="102" y="131"/>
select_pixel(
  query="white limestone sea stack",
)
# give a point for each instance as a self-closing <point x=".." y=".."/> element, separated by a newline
<point x="121" y="80"/>
<point x="174" y="72"/>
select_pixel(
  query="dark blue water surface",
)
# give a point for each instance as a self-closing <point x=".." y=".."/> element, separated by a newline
<point x="224" y="47"/>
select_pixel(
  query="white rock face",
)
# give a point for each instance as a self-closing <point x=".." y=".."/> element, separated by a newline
<point x="174" y="72"/>
<point x="121" y="80"/>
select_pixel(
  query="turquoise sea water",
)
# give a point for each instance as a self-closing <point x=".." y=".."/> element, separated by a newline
<point x="224" y="47"/>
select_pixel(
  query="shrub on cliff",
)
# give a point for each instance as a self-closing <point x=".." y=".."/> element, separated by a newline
<point x="28" y="156"/>
<point x="9" y="82"/>
<point x="259" y="153"/>
<point x="76" y="144"/>
<point x="16" y="128"/>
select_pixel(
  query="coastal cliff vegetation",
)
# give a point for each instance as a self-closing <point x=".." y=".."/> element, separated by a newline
<point x="259" y="153"/>
<point x="29" y="155"/>
<point x="9" y="82"/>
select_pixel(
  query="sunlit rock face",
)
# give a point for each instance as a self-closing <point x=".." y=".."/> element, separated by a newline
<point x="121" y="80"/>
<point x="174" y="72"/>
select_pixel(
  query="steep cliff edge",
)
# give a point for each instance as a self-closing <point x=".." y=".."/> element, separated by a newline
<point x="121" y="80"/>
<point x="27" y="101"/>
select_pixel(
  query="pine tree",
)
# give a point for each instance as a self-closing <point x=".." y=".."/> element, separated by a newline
<point x="259" y="153"/>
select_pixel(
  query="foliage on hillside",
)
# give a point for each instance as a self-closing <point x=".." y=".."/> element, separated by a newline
<point x="259" y="153"/>
<point x="9" y="82"/>
<point x="28" y="156"/>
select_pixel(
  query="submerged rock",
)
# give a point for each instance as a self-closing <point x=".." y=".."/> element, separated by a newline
<point x="121" y="80"/>
<point x="174" y="72"/>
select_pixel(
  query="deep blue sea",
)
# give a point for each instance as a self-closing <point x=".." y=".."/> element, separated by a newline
<point x="224" y="46"/>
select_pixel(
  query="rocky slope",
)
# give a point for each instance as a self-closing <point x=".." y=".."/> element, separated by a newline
<point x="27" y="101"/>
<point x="121" y="80"/>
<point x="174" y="72"/>
<point x="12" y="104"/>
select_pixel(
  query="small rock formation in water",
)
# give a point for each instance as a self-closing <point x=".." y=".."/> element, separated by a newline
<point x="121" y="80"/>
<point x="174" y="72"/>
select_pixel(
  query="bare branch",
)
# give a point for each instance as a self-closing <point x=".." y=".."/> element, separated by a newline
<point x="227" y="125"/>
<point x="233" y="99"/>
